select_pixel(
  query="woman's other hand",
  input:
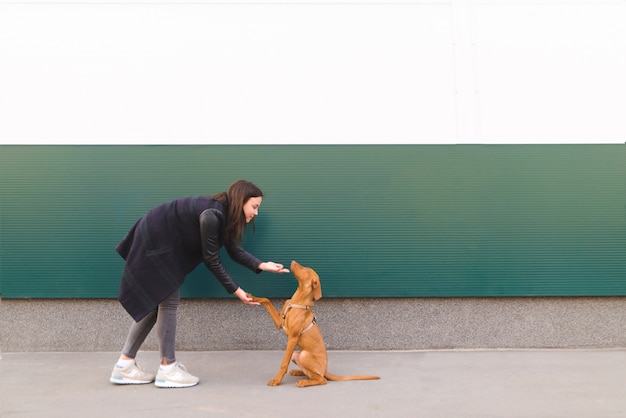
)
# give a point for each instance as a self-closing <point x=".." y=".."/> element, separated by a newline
<point x="273" y="267"/>
<point x="243" y="296"/>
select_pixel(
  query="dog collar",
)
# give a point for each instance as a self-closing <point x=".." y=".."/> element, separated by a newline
<point x="293" y="305"/>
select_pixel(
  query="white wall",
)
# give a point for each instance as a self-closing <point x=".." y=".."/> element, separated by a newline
<point x="238" y="72"/>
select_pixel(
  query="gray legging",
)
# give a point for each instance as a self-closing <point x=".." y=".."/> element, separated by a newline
<point x="165" y="318"/>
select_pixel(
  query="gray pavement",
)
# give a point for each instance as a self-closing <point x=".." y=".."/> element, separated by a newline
<point x="520" y="383"/>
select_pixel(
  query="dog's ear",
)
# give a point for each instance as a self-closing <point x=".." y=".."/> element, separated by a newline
<point x="317" y="289"/>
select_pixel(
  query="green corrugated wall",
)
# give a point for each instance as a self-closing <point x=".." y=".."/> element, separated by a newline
<point x="373" y="220"/>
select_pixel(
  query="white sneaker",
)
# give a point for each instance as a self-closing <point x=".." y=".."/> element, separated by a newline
<point x="178" y="377"/>
<point x="131" y="375"/>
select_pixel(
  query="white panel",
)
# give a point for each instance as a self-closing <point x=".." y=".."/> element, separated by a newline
<point x="551" y="72"/>
<point x="295" y="71"/>
<point x="219" y="73"/>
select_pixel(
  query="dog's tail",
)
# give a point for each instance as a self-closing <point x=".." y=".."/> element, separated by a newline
<point x="334" y="378"/>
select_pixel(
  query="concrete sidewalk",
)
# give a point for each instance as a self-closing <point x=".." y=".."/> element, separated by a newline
<point x="525" y="383"/>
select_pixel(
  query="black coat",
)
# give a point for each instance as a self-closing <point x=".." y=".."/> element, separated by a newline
<point x="169" y="242"/>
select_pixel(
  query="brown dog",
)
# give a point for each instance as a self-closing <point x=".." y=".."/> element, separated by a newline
<point x="298" y="321"/>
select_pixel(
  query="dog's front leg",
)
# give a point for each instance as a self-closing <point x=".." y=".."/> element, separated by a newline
<point x="291" y="346"/>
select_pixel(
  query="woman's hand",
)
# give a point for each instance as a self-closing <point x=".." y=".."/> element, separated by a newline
<point x="273" y="267"/>
<point x="243" y="296"/>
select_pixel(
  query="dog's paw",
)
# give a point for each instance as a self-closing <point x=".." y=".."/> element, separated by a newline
<point x="303" y="383"/>
<point x="255" y="299"/>
<point x="274" y="382"/>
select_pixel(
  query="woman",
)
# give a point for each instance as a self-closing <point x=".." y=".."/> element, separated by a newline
<point x="160" y="250"/>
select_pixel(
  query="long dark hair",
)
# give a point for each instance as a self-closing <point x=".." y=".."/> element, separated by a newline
<point x="238" y="194"/>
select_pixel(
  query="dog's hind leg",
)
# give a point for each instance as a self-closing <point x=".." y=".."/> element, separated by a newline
<point x="294" y="358"/>
<point x="309" y="367"/>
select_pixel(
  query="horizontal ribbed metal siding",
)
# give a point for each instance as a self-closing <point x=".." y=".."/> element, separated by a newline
<point x="400" y="220"/>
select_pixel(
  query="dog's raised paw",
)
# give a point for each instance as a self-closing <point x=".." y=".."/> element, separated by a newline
<point x="255" y="299"/>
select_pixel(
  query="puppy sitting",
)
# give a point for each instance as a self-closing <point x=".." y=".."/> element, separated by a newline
<point x="298" y="321"/>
